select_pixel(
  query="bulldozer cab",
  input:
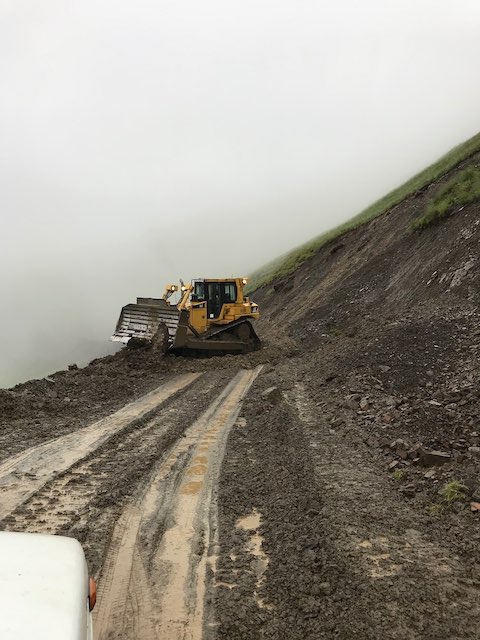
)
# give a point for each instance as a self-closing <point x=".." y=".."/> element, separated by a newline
<point x="215" y="294"/>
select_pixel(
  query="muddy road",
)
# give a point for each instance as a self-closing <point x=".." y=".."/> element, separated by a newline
<point x="226" y="504"/>
<point x="326" y="486"/>
<point x="139" y="488"/>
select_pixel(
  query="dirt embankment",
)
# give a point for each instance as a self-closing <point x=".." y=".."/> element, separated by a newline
<point x="351" y="508"/>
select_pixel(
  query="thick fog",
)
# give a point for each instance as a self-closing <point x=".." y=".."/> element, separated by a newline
<point x="145" y="141"/>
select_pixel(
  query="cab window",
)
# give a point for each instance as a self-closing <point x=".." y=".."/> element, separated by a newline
<point x="229" y="292"/>
<point x="199" y="290"/>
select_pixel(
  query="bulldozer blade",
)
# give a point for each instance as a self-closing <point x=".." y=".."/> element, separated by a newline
<point x="141" y="320"/>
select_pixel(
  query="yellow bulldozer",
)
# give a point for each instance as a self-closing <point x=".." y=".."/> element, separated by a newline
<point x="211" y="317"/>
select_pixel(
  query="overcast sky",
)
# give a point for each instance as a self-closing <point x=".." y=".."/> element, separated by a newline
<point x="145" y="141"/>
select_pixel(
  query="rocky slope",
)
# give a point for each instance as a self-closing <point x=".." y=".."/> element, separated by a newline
<point x="387" y="322"/>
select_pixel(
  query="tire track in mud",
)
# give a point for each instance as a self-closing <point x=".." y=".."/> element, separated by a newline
<point x="86" y="498"/>
<point x="163" y="550"/>
<point x="124" y="601"/>
<point x="25" y="473"/>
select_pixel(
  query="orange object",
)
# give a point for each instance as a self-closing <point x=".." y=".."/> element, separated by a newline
<point x="92" y="594"/>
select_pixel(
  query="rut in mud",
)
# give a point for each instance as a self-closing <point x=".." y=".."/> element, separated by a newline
<point x="86" y="498"/>
<point x="164" y="548"/>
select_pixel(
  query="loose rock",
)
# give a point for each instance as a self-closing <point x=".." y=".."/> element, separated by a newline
<point x="431" y="458"/>
<point x="273" y="395"/>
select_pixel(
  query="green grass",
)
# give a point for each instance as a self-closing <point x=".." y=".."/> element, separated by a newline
<point x="452" y="491"/>
<point x="284" y="266"/>
<point x="398" y="474"/>
<point x="460" y="190"/>
<point x="436" y="509"/>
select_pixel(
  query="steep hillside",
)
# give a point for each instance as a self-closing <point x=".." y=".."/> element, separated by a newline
<point x="385" y="309"/>
<point x="285" y="265"/>
<point x="386" y="263"/>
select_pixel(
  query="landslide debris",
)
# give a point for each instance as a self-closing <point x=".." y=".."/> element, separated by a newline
<point x="338" y="552"/>
<point x="388" y="330"/>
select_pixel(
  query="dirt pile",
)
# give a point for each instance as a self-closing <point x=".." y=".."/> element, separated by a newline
<point x="386" y="383"/>
<point x="317" y="541"/>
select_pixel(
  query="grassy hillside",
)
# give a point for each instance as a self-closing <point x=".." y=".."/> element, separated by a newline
<point x="285" y="265"/>
<point x="462" y="189"/>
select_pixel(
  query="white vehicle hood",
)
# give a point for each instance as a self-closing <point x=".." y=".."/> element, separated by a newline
<point x="43" y="588"/>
